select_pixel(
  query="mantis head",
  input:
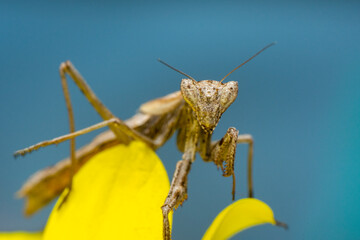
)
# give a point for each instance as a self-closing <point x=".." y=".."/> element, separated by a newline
<point x="208" y="99"/>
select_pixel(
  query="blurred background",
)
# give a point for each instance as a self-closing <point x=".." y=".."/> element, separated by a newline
<point x="300" y="99"/>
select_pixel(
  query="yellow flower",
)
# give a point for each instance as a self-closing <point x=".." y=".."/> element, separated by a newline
<point x="240" y="215"/>
<point x="21" y="236"/>
<point x="118" y="194"/>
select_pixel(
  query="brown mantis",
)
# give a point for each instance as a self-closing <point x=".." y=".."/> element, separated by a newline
<point x="194" y="111"/>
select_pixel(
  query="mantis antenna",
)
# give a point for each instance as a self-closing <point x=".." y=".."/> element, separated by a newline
<point x="271" y="44"/>
<point x="175" y="69"/>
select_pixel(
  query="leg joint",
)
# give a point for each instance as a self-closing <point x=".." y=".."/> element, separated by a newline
<point x="245" y="138"/>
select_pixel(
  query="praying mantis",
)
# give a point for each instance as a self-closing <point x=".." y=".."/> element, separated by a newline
<point x="193" y="112"/>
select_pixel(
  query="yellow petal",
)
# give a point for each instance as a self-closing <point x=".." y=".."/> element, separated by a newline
<point x="20" y="236"/>
<point x="118" y="194"/>
<point x="240" y="215"/>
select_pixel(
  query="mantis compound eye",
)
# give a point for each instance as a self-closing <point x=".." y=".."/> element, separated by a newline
<point x="228" y="94"/>
<point x="189" y="91"/>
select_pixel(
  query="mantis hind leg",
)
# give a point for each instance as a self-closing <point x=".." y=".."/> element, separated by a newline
<point x="72" y="130"/>
<point x="120" y="129"/>
<point x="68" y="68"/>
<point x="103" y="111"/>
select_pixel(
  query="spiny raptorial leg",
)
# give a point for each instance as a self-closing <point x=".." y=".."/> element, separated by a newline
<point x="223" y="155"/>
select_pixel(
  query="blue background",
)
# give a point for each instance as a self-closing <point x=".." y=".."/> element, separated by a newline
<point x="299" y="99"/>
